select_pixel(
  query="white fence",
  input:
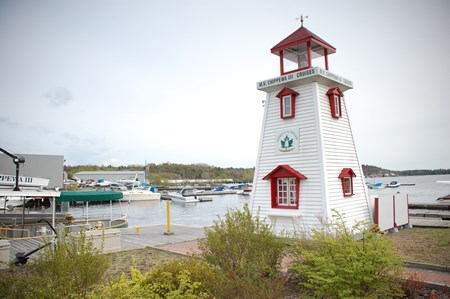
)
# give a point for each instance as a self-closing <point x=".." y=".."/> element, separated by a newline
<point x="391" y="211"/>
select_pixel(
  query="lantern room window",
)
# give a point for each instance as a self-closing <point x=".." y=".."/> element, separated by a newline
<point x="287" y="103"/>
<point x="335" y="97"/>
<point x="346" y="176"/>
<point x="285" y="187"/>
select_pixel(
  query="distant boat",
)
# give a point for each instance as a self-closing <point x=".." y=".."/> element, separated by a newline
<point x="446" y="197"/>
<point x="247" y="190"/>
<point x="443" y="182"/>
<point x="378" y="186"/>
<point x="393" y="184"/>
<point x="185" y="195"/>
<point x="141" y="194"/>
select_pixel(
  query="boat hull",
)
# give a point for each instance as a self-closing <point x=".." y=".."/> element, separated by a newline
<point x="134" y="195"/>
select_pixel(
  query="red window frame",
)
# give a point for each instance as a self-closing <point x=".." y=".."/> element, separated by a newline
<point x="335" y="96"/>
<point x="346" y="176"/>
<point x="285" y="187"/>
<point x="282" y="95"/>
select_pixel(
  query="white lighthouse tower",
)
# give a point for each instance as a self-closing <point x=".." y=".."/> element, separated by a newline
<point x="307" y="163"/>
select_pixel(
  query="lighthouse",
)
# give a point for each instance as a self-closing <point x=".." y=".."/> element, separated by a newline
<point x="307" y="164"/>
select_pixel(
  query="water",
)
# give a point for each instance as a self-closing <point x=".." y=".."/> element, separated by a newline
<point x="155" y="212"/>
<point x="426" y="190"/>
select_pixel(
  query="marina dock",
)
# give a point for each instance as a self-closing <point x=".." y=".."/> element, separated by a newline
<point x="131" y="238"/>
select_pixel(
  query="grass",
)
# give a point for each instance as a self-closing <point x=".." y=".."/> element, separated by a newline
<point x="423" y="245"/>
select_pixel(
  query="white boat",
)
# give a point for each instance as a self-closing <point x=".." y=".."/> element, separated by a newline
<point x="247" y="190"/>
<point x="27" y="182"/>
<point x="185" y="195"/>
<point x="393" y="184"/>
<point x="141" y="194"/>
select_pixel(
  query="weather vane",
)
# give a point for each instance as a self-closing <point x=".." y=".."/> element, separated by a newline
<point x="302" y="19"/>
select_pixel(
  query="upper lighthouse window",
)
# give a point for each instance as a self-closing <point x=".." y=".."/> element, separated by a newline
<point x="287" y="103"/>
<point x="335" y="97"/>
<point x="287" y="106"/>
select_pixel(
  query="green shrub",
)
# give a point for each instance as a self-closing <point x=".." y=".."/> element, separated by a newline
<point x="341" y="262"/>
<point x="243" y="244"/>
<point x="171" y="280"/>
<point x="67" y="270"/>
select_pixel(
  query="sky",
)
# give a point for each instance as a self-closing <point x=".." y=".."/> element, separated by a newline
<point x="128" y="82"/>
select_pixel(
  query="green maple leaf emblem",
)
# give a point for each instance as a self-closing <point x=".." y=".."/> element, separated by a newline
<point x="287" y="142"/>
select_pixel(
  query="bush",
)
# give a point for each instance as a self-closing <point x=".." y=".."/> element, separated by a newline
<point x="243" y="244"/>
<point x="340" y="262"/>
<point x="67" y="271"/>
<point x="171" y="280"/>
<point x="248" y="254"/>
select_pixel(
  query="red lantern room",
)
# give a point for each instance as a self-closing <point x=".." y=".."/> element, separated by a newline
<point x="298" y="49"/>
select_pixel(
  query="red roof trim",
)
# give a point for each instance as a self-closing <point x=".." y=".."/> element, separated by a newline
<point x="300" y="36"/>
<point x="286" y="91"/>
<point x="334" y="91"/>
<point x="284" y="171"/>
<point x="346" y="172"/>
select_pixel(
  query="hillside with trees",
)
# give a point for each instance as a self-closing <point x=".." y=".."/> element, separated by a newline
<point x="172" y="171"/>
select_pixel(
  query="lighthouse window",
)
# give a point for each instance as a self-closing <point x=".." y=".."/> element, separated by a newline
<point x="286" y="188"/>
<point x="348" y="188"/>
<point x="346" y="176"/>
<point x="335" y="96"/>
<point x="337" y="106"/>
<point x="287" y="108"/>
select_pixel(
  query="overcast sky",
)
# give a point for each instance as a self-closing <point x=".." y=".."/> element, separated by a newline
<point x="124" y="82"/>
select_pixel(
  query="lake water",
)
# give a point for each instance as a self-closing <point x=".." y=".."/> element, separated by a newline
<point x="426" y="190"/>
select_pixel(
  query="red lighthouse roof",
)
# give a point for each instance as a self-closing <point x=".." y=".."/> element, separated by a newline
<point x="298" y="49"/>
<point x="300" y="36"/>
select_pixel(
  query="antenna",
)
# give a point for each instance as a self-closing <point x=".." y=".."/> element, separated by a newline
<point x="302" y="19"/>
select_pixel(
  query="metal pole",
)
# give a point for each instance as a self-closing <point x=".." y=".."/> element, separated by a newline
<point x="168" y="218"/>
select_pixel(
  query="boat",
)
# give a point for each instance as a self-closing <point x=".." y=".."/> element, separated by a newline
<point x="26" y="182"/>
<point x="185" y="195"/>
<point x="443" y="198"/>
<point x="246" y="191"/>
<point x="141" y="194"/>
<point x="29" y="224"/>
<point x="393" y="184"/>
<point x="378" y="186"/>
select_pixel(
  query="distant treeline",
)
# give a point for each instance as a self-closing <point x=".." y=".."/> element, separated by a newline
<point x="375" y="171"/>
<point x="171" y="171"/>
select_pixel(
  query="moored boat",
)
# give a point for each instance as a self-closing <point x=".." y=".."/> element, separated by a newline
<point x="393" y="184"/>
<point x="141" y="194"/>
<point x="185" y="195"/>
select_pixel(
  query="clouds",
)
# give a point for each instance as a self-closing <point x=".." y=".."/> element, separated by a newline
<point x="59" y="96"/>
<point x="175" y="81"/>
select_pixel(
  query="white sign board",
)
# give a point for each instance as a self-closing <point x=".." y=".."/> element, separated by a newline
<point x="287" y="141"/>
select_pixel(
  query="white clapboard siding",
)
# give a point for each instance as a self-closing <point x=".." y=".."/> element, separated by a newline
<point x="326" y="146"/>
